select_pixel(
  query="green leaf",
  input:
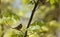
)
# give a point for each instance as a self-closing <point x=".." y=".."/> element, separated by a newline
<point x="40" y="23"/>
<point x="36" y="27"/>
<point x="8" y="14"/>
<point x="44" y="28"/>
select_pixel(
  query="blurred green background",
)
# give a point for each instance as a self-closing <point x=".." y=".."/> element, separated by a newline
<point x="45" y="22"/>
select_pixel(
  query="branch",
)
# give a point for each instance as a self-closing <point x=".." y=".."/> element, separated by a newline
<point x="33" y="11"/>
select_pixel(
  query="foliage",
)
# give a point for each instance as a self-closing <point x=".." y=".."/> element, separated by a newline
<point x="10" y="17"/>
<point x="13" y="33"/>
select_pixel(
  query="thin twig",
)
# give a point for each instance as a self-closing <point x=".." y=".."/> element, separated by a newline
<point x="33" y="11"/>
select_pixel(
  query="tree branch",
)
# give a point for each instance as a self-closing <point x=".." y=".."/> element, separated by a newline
<point x="33" y="11"/>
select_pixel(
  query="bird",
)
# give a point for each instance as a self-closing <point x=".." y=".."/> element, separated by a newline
<point x="18" y="27"/>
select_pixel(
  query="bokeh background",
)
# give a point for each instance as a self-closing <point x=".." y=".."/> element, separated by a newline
<point x="45" y="22"/>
